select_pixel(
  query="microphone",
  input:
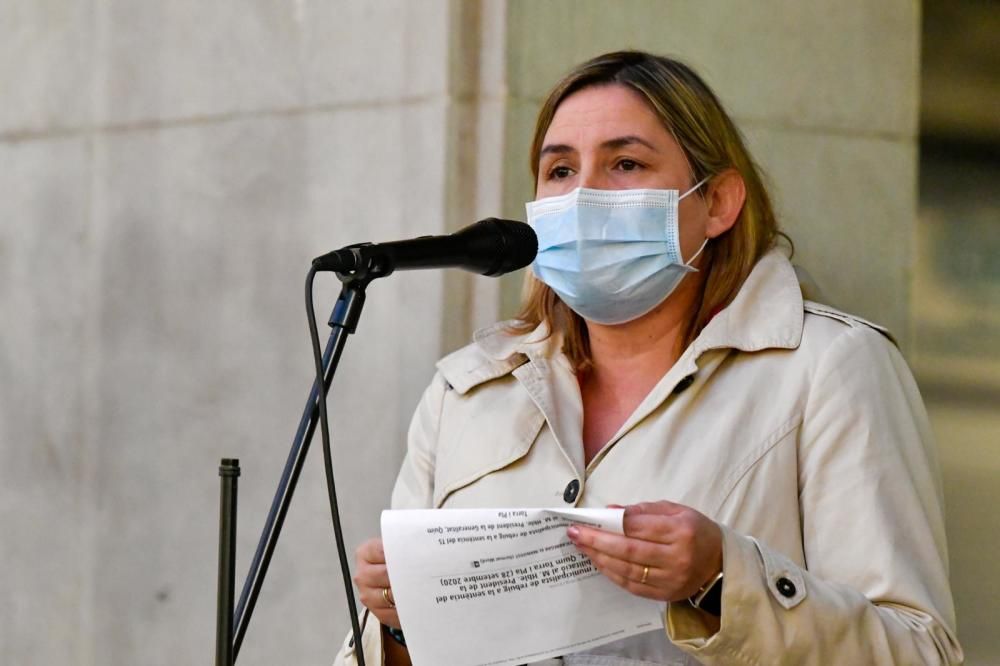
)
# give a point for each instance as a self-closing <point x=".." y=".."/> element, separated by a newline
<point x="489" y="247"/>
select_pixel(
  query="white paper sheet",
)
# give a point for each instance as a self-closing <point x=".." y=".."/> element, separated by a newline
<point x="489" y="587"/>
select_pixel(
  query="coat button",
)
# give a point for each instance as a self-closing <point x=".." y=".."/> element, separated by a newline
<point x="683" y="384"/>
<point x="572" y="490"/>
<point x="785" y="587"/>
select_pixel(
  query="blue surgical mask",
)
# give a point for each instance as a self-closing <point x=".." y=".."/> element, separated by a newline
<point x="610" y="255"/>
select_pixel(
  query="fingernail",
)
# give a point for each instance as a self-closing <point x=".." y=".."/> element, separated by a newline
<point x="573" y="532"/>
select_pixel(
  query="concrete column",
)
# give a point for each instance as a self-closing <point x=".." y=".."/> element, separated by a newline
<point x="168" y="171"/>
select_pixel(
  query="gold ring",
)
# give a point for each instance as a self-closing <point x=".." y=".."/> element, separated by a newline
<point x="645" y="573"/>
<point x="385" y="597"/>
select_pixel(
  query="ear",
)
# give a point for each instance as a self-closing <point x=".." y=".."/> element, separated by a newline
<point x="725" y="197"/>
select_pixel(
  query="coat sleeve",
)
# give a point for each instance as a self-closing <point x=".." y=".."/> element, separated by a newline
<point x="875" y="586"/>
<point x="414" y="489"/>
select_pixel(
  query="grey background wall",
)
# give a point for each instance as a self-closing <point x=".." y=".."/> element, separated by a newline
<point x="167" y="170"/>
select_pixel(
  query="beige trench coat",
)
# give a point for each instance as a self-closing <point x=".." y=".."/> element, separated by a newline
<point x="797" y="427"/>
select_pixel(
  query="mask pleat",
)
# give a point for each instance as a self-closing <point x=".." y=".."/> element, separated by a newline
<point x="611" y="255"/>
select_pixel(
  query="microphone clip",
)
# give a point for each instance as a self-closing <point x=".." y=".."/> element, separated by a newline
<point x="355" y="264"/>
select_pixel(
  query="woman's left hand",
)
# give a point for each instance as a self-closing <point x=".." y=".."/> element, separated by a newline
<point x="667" y="553"/>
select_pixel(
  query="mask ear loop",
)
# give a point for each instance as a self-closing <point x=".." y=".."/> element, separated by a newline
<point x="695" y="256"/>
<point x="705" y="242"/>
<point x="695" y="187"/>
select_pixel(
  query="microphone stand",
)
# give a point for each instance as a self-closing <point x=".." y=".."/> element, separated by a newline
<point x="343" y="321"/>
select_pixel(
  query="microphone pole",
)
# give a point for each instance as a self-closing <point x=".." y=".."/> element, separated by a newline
<point x="490" y="247"/>
<point x="343" y="321"/>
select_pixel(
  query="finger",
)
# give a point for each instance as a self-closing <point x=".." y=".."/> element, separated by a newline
<point x="371" y="551"/>
<point x="374" y="600"/>
<point x="677" y="525"/>
<point x="377" y="598"/>
<point x="638" y="589"/>
<point x="660" y="528"/>
<point x="651" y="527"/>
<point x="372" y="575"/>
<point x="647" y="589"/>
<point x="660" y="508"/>
<point x="616" y="545"/>
<point x="625" y="570"/>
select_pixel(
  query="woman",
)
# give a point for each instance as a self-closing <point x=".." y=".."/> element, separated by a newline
<point x="773" y="455"/>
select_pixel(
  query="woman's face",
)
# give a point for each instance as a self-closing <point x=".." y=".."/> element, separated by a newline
<point x="608" y="138"/>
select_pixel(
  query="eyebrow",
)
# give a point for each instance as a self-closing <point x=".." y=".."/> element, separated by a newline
<point x="617" y="142"/>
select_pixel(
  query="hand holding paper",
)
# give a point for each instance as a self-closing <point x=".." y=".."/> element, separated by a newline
<point x="671" y="550"/>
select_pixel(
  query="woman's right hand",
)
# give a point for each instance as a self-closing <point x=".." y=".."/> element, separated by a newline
<point x="372" y="580"/>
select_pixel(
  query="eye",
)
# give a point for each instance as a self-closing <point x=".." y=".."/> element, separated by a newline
<point x="628" y="165"/>
<point x="559" y="172"/>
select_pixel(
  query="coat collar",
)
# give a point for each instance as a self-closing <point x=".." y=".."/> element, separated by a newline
<point x="496" y="352"/>
<point x="767" y="313"/>
<point x="499" y="344"/>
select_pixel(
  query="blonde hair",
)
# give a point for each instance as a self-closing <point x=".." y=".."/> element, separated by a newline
<point x="710" y="141"/>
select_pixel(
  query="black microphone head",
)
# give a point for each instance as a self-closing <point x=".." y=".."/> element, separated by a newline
<point x="490" y="247"/>
<point x="499" y="246"/>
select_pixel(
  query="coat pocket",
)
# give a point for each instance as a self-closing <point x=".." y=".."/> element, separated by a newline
<point x="743" y="465"/>
<point x="484" y="430"/>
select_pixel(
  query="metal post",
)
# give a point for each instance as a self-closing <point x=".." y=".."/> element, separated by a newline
<point x="229" y="471"/>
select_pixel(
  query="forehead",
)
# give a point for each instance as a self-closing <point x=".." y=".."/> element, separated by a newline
<point x="600" y="112"/>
